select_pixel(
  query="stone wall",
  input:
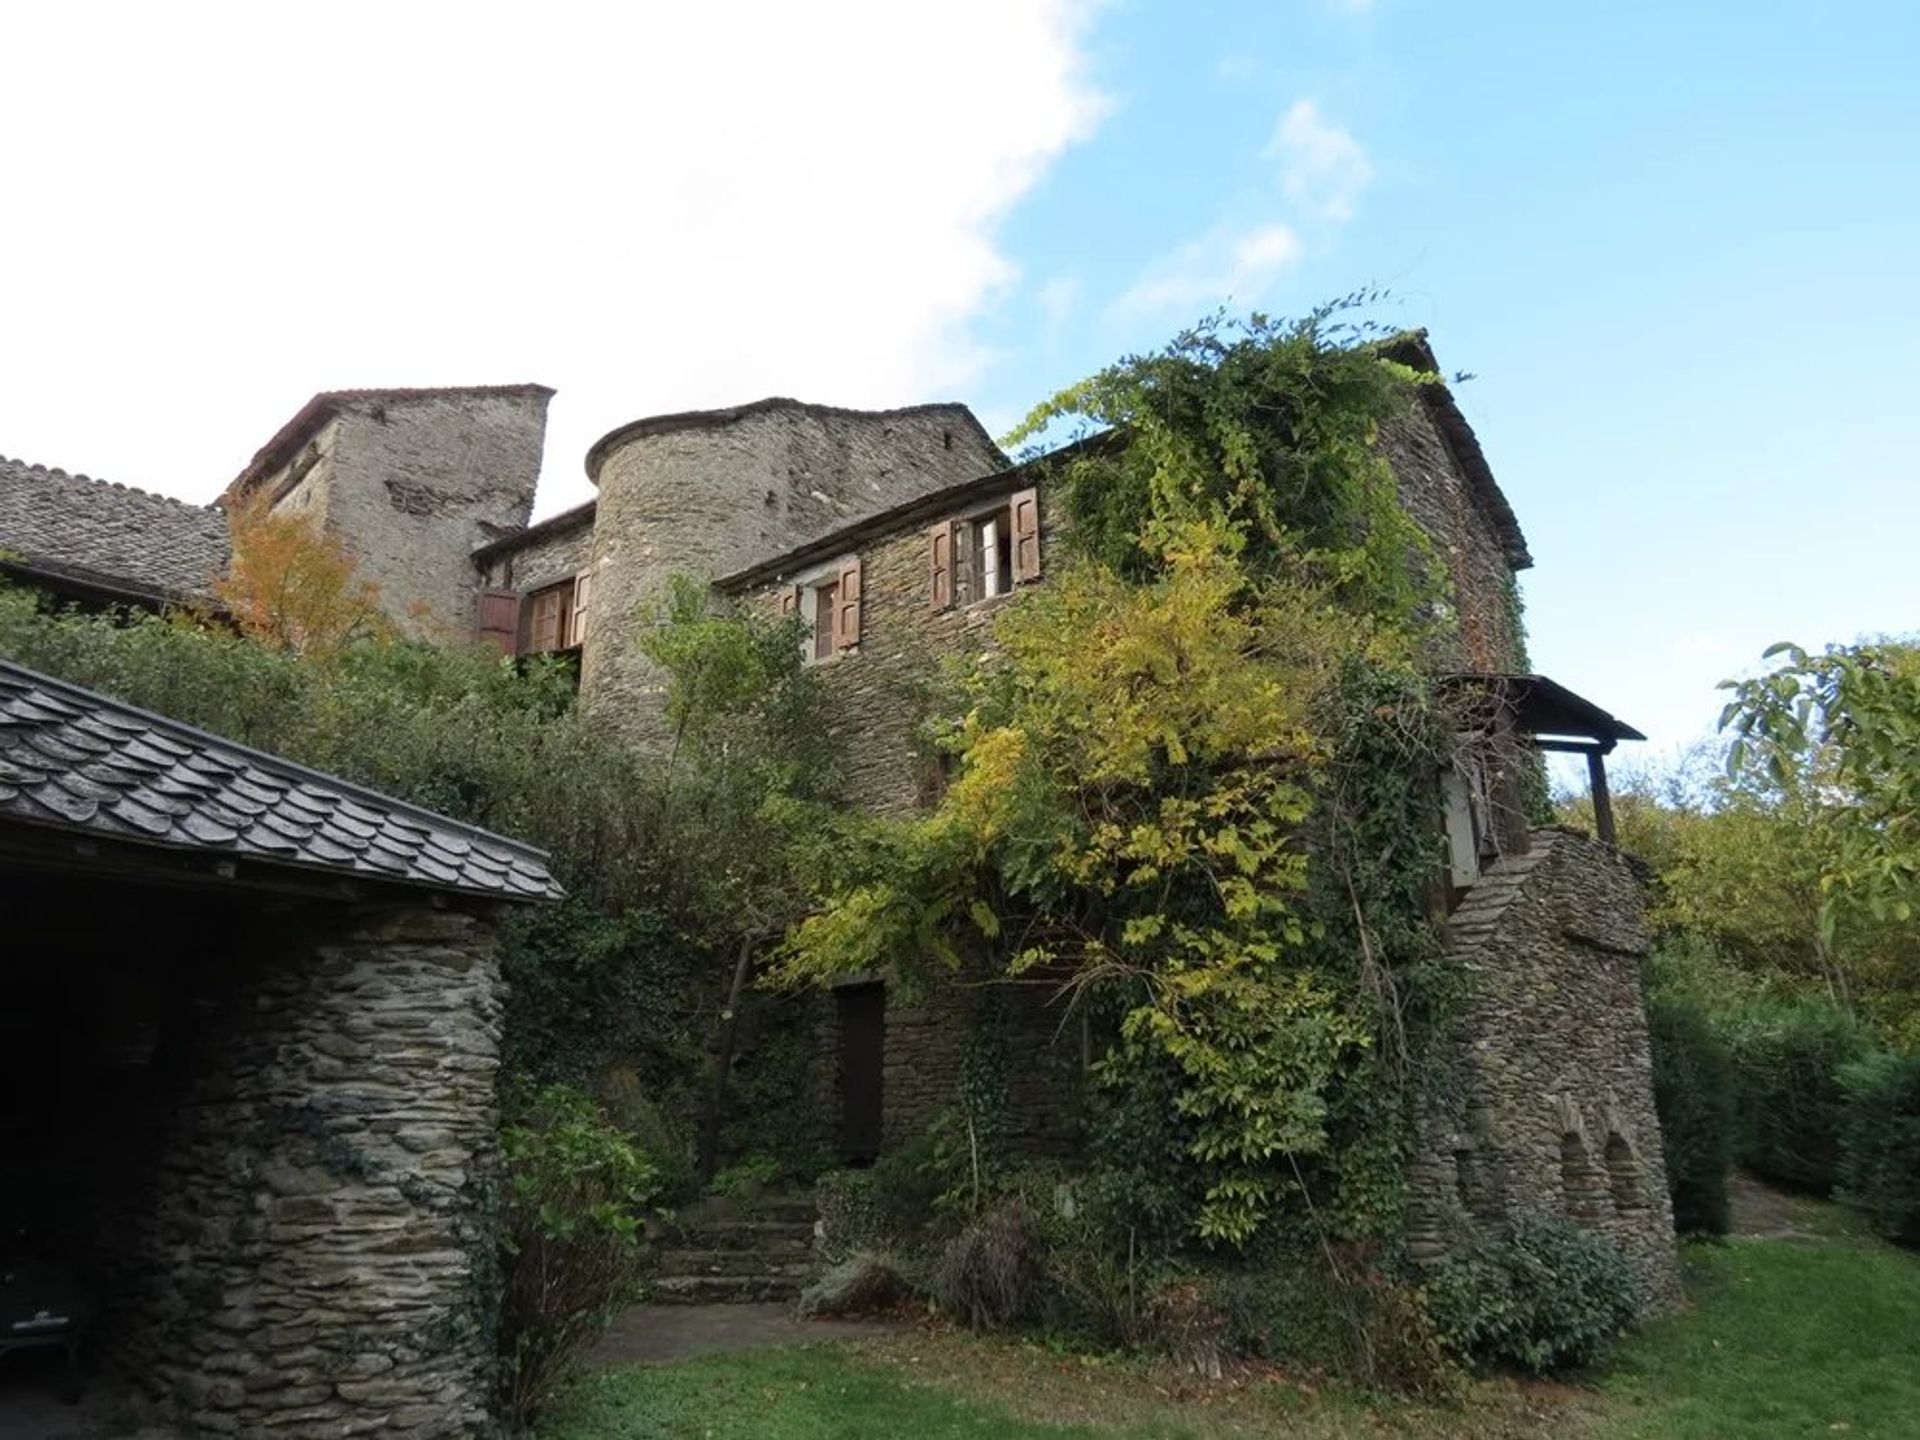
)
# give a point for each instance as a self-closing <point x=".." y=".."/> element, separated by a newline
<point x="555" y="550"/>
<point x="1485" y="628"/>
<point x="710" y="493"/>
<point x="310" y="1257"/>
<point x="880" y="688"/>
<point x="1550" y="1108"/>
<point x="929" y="1030"/>
<point x="413" y="482"/>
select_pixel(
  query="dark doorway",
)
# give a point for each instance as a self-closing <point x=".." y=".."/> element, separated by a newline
<point x="863" y="1045"/>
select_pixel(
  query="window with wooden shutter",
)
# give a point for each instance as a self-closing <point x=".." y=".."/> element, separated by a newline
<point x="1026" y="536"/>
<point x="846" y="629"/>
<point x="500" y="620"/>
<point x="577" y="615"/>
<point x="940" y="563"/>
<point x="546" y="627"/>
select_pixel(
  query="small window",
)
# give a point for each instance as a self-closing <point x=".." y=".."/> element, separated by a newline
<point x="829" y="609"/>
<point x="990" y="547"/>
<point x="825" y="599"/>
<point x="550" y="618"/>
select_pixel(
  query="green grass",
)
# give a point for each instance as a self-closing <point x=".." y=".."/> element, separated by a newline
<point x="810" y="1393"/>
<point x="1786" y="1339"/>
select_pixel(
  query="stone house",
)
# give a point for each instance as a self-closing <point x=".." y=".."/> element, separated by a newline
<point x="249" y="1053"/>
<point x="895" y="535"/>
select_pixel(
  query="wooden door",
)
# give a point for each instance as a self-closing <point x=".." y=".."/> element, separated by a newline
<point x="863" y="1043"/>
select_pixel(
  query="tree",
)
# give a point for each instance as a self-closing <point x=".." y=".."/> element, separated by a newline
<point x="292" y="586"/>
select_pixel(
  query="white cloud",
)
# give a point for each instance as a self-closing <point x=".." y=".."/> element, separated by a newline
<point x="222" y="208"/>
<point x="1323" y="168"/>
<point x="1226" y="264"/>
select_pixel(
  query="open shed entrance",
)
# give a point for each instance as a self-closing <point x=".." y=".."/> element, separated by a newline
<point x="109" y="993"/>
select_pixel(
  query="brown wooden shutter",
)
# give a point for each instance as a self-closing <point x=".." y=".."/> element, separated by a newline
<point x="846" y="625"/>
<point x="500" y="619"/>
<point x="940" y="561"/>
<point x="545" y="627"/>
<point x="577" y="617"/>
<point x="1026" y="536"/>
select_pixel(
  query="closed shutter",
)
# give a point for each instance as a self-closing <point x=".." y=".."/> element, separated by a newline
<point x="846" y="629"/>
<point x="1026" y="536"/>
<point x="545" y="628"/>
<point x="577" y="617"/>
<point x="940" y="562"/>
<point x="500" y="619"/>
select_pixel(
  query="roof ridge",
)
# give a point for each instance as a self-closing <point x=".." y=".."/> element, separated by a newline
<point x="672" y="420"/>
<point x="54" y="471"/>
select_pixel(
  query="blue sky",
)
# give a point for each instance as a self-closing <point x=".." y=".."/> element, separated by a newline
<point x="1675" y="244"/>
<point x="1677" y="250"/>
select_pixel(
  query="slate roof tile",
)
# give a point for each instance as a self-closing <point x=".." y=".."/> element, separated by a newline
<point x="79" y="760"/>
<point x="74" y="525"/>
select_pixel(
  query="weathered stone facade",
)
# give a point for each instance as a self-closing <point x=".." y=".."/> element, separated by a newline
<point x="707" y="493"/>
<point x="879" y="687"/>
<point x="311" y="1263"/>
<point x="412" y="482"/>
<point x="555" y="550"/>
<point x="1549" y="1110"/>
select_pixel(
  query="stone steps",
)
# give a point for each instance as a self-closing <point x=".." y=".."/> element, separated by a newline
<point x="722" y="1252"/>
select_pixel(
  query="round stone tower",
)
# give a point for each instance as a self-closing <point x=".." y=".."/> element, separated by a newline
<point x="709" y="492"/>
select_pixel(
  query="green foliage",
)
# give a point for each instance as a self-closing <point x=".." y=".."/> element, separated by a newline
<point x="1879" y="1171"/>
<point x="1193" y="782"/>
<point x="1693" y="1091"/>
<point x="1545" y="1296"/>
<point x="1787" y="1062"/>
<point x="1263" y="427"/>
<point x="746" y="1177"/>
<point x="570" y="1212"/>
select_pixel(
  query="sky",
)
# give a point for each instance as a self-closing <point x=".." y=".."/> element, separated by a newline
<point x="1676" y="246"/>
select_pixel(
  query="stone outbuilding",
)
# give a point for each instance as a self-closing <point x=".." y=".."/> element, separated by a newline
<point x="248" y="1056"/>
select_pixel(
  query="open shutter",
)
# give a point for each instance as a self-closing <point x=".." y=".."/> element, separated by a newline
<point x="577" y="617"/>
<point x="1026" y="536"/>
<point x="545" y="628"/>
<point x="500" y="619"/>
<point x="940" y="562"/>
<point x="846" y="622"/>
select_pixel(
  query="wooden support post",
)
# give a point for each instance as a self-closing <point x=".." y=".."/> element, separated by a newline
<point x="1602" y="801"/>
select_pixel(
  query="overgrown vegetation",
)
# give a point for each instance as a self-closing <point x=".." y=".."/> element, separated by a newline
<point x="1544" y="1296"/>
<point x="1192" y="791"/>
<point x="1788" y="875"/>
<point x="570" y="1234"/>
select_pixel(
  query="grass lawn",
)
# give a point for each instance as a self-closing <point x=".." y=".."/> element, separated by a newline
<point x="1786" y="1338"/>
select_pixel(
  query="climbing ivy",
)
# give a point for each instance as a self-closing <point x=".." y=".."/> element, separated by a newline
<point x="1193" y="781"/>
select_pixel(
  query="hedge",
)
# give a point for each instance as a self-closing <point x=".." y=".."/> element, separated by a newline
<point x="1787" y="1062"/>
<point x="1693" y="1090"/>
<point x="1880" y="1143"/>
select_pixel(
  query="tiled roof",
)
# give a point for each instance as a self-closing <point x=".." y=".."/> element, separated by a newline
<point x="75" y="760"/>
<point x="91" y="530"/>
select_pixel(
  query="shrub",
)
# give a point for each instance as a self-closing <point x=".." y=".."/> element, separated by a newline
<point x="1351" y="1320"/>
<point x="990" y="1274"/>
<point x="1693" y="1092"/>
<point x="570" y="1239"/>
<point x="1880" y="1143"/>
<point x="849" y="1215"/>
<point x="1544" y="1296"/>
<point x="1787" y="1062"/>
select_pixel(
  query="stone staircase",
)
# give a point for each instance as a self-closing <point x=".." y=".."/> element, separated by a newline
<point x="734" y="1252"/>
